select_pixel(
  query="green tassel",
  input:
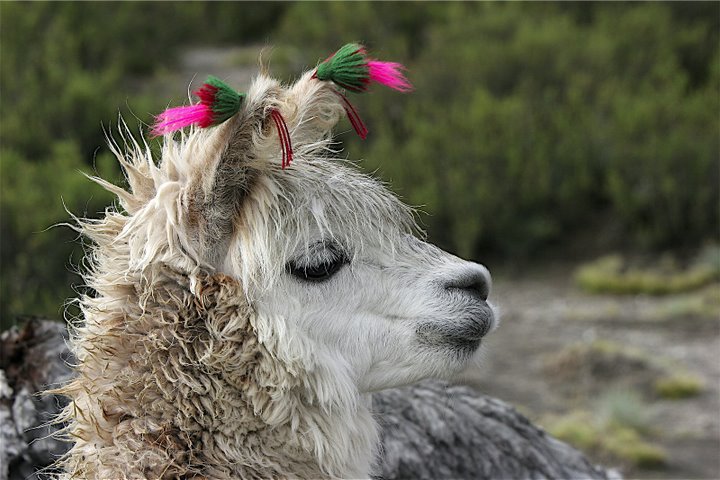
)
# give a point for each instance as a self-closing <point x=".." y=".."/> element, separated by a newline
<point x="223" y="101"/>
<point x="348" y="68"/>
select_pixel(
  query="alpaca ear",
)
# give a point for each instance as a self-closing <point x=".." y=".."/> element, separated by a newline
<point x="316" y="109"/>
<point x="226" y="161"/>
<point x="222" y="172"/>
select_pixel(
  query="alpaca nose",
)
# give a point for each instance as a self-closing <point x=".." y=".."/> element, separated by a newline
<point x="475" y="281"/>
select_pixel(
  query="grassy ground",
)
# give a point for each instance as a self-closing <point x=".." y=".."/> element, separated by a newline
<point x="632" y="379"/>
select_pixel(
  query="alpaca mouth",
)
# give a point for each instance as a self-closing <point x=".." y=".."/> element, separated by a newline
<point x="465" y="332"/>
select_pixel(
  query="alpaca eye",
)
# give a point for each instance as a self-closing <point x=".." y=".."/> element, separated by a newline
<point x="317" y="273"/>
<point x="329" y="263"/>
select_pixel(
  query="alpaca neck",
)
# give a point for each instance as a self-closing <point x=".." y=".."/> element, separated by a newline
<point x="336" y="441"/>
<point x="179" y="383"/>
<point x="316" y="402"/>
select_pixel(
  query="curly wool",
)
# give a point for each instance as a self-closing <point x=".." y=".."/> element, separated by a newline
<point x="193" y="391"/>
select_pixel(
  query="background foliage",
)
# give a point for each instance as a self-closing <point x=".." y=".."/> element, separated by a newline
<point x="531" y="124"/>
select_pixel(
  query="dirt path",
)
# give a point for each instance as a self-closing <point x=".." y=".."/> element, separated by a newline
<point x="543" y="313"/>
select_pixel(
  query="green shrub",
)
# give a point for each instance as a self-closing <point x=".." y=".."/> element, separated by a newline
<point x="627" y="445"/>
<point x="613" y="274"/>
<point x="624" y="408"/>
<point x="700" y="304"/>
<point x="679" y="386"/>
<point x="530" y="122"/>
<point x="606" y="440"/>
<point x="67" y="69"/>
<point x="577" y="429"/>
<point x="39" y="255"/>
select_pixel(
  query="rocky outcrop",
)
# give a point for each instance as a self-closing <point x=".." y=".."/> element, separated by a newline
<point x="438" y="431"/>
<point x="32" y="359"/>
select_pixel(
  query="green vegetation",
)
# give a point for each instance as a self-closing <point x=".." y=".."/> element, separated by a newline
<point x="530" y="123"/>
<point x="625" y="408"/>
<point x="679" y="386"/>
<point x="614" y="274"/>
<point x="583" y="370"/>
<point x="67" y="69"/>
<point x="617" y="388"/>
<point x="531" y="120"/>
<point x="588" y="362"/>
<point x="700" y="304"/>
<point x="620" y="433"/>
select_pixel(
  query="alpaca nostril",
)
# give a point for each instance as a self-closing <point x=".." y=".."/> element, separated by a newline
<point x="476" y="282"/>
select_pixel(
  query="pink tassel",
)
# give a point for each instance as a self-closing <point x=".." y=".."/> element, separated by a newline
<point x="176" y="118"/>
<point x="389" y="74"/>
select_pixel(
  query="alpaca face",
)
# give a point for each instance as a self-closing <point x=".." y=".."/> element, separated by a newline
<point x="385" y="318"/>
<point x="327" y="256"/>
<point x="357" y="292"/>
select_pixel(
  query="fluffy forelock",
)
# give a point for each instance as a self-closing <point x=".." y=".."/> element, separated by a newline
<point x="319" y="197"/>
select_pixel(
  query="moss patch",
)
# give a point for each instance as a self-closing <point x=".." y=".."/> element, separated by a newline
<point x="679" y="386"/>
<point x="704" y="303"/>
<point x="606" y="436"/>
<point x="661" y="276"/>
<point x="611" y="443"/>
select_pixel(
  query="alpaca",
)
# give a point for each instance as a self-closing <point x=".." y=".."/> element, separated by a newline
<point x="243" y="312"/>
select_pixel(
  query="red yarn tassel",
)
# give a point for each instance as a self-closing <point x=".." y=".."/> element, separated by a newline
<point x="284" y="134"/>
<point x="353" y="116"/>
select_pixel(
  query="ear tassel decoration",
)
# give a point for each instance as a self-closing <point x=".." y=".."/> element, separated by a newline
<point x="389" y="74"/>
<point x="284" y="134"/>
<point x="351" y="68"/>
<point x="218" y="102"/>
<point x="354" y="117"/>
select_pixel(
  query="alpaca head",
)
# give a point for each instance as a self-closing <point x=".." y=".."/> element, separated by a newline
<point x="329" y="260"/>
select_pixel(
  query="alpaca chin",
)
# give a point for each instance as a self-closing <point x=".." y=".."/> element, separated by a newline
<point x="476" y="362"/>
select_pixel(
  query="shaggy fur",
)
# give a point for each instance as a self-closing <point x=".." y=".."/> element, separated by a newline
<point x="201" y="356"/>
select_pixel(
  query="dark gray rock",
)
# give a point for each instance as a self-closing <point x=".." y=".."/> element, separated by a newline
<point x="32" y="359"/>
<point x="434" y="430"/>
<point x="429" y="431"/>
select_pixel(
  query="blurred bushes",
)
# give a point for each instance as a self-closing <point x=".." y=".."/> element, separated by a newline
<point x="619" y="435"/>
<point x="530" y="123"/>
<point x="37" y="259"/>
<point x="531" y="120"/>
<point x="67" y="69"/>
<point x="527" y="123"/>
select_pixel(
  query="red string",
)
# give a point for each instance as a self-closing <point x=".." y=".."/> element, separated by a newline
<point x="353" y="116"/>
<point x="284" y="134"/>
<point x="273" y="114"/>
<point x="288" y="145"/>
